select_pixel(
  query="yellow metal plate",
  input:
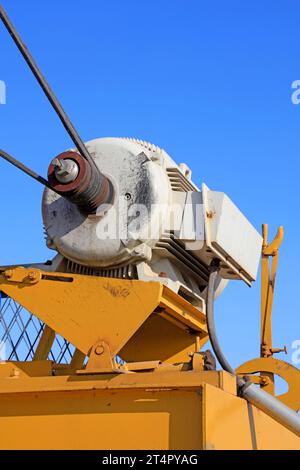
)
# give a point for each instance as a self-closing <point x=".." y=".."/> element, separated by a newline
<point x="88" y="309"/>
<point x="85" y="309"/>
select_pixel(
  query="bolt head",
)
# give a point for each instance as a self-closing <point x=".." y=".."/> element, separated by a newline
<point x="32" y="275"/>
<point x="99" y="350"/>
<point x="66" y="171"/>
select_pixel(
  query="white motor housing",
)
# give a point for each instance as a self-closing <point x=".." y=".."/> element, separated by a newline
<point x="160" y="226"/>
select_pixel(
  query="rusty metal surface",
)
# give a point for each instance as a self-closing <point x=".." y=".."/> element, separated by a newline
<point x="88" y="191"/>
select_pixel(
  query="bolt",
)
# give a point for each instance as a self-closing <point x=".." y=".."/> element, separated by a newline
<point x="99" y="350"/>
<point x="32" y="276"/>
<point x="279" y="350"/>
<point x="8" y="274"/>
<point x="264" y="381"/>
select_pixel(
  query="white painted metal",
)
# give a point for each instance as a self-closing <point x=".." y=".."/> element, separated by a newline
<point x="159" y="222"/>
<point x="230" y="236"/>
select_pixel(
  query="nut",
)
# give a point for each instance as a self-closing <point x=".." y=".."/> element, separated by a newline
<point x="32" y="276"/>
<point x="99" y="350"/>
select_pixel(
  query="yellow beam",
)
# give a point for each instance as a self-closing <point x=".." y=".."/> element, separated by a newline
<point x="170" y="411"/>
<point x="45" y="344"/>
<point x="87" y="309"/>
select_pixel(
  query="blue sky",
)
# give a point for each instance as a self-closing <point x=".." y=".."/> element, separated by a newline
<point x="208" y="81"/>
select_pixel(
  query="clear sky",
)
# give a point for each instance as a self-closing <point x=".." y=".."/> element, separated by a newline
<point x="208" y="81"/>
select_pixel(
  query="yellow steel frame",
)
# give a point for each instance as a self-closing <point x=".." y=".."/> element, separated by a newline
<point x="266" y="364"/>
<point x="124" y="315"/>
<point x="166" y="409"/>
<point x="268" y="279"/>
<point x="161" y="398"/>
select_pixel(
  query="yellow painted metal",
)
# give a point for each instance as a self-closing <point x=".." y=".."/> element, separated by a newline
<point x="164" y="380"/>
<point x="77" y="360"/>
<point x="166" y="410"/>
<point x="160" y="339"/>
<point x="82" y="308"/>
<point x="267" y="288"/>
<point x="26" y="369"/>
<point x="289" y="373"/>
<point x="45" y="344"/>
<point x="144" y="404"/>
<point x="87" y="309"/>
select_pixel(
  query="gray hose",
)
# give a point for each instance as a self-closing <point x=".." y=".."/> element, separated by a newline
<point x="254" y="395"/>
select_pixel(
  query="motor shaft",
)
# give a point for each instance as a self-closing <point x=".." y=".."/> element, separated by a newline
<point x="71" y="176"/>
